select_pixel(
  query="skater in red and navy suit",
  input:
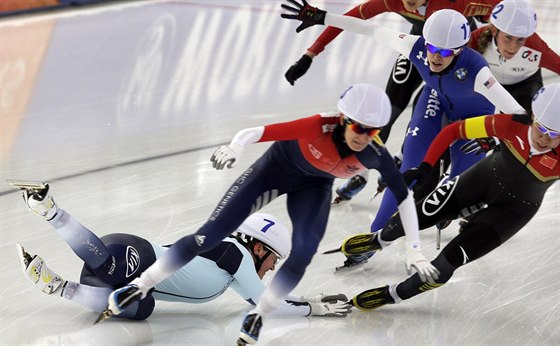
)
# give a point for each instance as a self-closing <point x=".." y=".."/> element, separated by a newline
<point x="302" y="163"/>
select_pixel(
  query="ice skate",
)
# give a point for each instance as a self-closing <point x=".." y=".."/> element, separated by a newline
<point x="37" y="198"/>
<point x="354" y="261"/>
<point x="250" y="330"/>
<point x="36" y="270"/>
<point x="349" y="189"/>
<point x="358" y="244"/>
<point x="372" y="298"/>
<point x="119" y="300"/>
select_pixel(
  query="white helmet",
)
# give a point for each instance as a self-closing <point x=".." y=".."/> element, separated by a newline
<point x="447" y="29"/>
<point x="268" y="230"/>
<point x="515" y="17"/>
<point x="365" y="104"/>
<point x="546" y="106"/>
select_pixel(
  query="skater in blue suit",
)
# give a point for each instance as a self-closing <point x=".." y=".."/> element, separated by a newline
<point x="239" y="262"/>
<point x="459" y="85"/>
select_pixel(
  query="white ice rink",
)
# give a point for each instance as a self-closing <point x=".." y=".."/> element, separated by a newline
<point x="120" y="107"/>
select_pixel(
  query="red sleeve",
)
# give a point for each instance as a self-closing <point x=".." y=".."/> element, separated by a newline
<point x="549" y="60"/>
<point x="366" y="10"/>
<point x="304" y="128"/>
<point x="443" y="140"/>
<point x="496" y="125"/>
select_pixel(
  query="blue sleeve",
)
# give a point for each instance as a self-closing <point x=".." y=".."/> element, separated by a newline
<point x="392" y="177"/>
<point x="246" y="281"/>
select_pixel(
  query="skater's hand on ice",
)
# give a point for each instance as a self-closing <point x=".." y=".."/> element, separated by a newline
<point x="415" y="259"/>
<point x="226" y="155"/>
<point x="330" y="310"/>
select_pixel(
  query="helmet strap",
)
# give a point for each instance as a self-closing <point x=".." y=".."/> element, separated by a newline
<point x="259" y="261"/>
<point x="249" y="244"/>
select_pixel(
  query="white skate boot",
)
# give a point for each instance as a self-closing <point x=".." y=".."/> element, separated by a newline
<point x="36" y="270"/>
<point x="36" y="196"/>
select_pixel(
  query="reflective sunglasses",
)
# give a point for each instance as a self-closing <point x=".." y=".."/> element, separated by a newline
<point x="546" y="131"/>
<point x="359" y="129"/>
<point x="442" y="51"/>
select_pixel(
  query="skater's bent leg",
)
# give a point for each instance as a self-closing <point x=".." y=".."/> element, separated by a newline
<point x="83" y="242"/>
<point x="307" y="233"/>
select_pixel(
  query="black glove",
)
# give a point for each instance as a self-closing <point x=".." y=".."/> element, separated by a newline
<point x="418" y="174"/>
<point x="480" y="145"/>
<point x="298" y="69"/>
<point x="309" y="15"/>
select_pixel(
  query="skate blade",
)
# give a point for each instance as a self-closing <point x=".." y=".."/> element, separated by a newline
<point x="24" y="257"/>
<point x="27" y="184"/>
<point x="240" y="342"/>
<point x="374" y="195"/>
<point x="345" y="268"/>
<point x="336" y="201"/>
<point x="106" y="314"/>
<point x="328" y="252"/>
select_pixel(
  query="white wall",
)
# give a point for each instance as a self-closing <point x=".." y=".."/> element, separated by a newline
<point x="134" y="81"/>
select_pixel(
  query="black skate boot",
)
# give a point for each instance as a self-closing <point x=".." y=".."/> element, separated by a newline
<point x="250" y="330"/>
<point x="372" y="298"/>
<point x="350" y="188"/>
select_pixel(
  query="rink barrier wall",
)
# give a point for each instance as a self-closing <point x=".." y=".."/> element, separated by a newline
<point x="11" y="7"/>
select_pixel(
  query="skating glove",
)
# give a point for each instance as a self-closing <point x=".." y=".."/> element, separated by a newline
<point x="481" y="145"/>
<point x="325" y="298"/>
<point x="226" y="155"/>
<point x="415" y="259"/>
<point x="418" y="174"/>
<point x="309" y="15"/>
<point x="298" y="69"/>
<point x="330" y="310"/>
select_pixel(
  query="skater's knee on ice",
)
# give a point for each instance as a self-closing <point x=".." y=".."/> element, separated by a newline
<point x="140" y="310"/>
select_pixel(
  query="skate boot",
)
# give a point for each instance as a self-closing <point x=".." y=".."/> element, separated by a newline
<point x="36" y="270"/>
<point x="373" y="298"/>
<point x="123" y="297"/>
<point x="349" y="189"/>
<point x="250" y="330"/>
<point x="354" y="261"/>
<point x="37" y="198"/>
